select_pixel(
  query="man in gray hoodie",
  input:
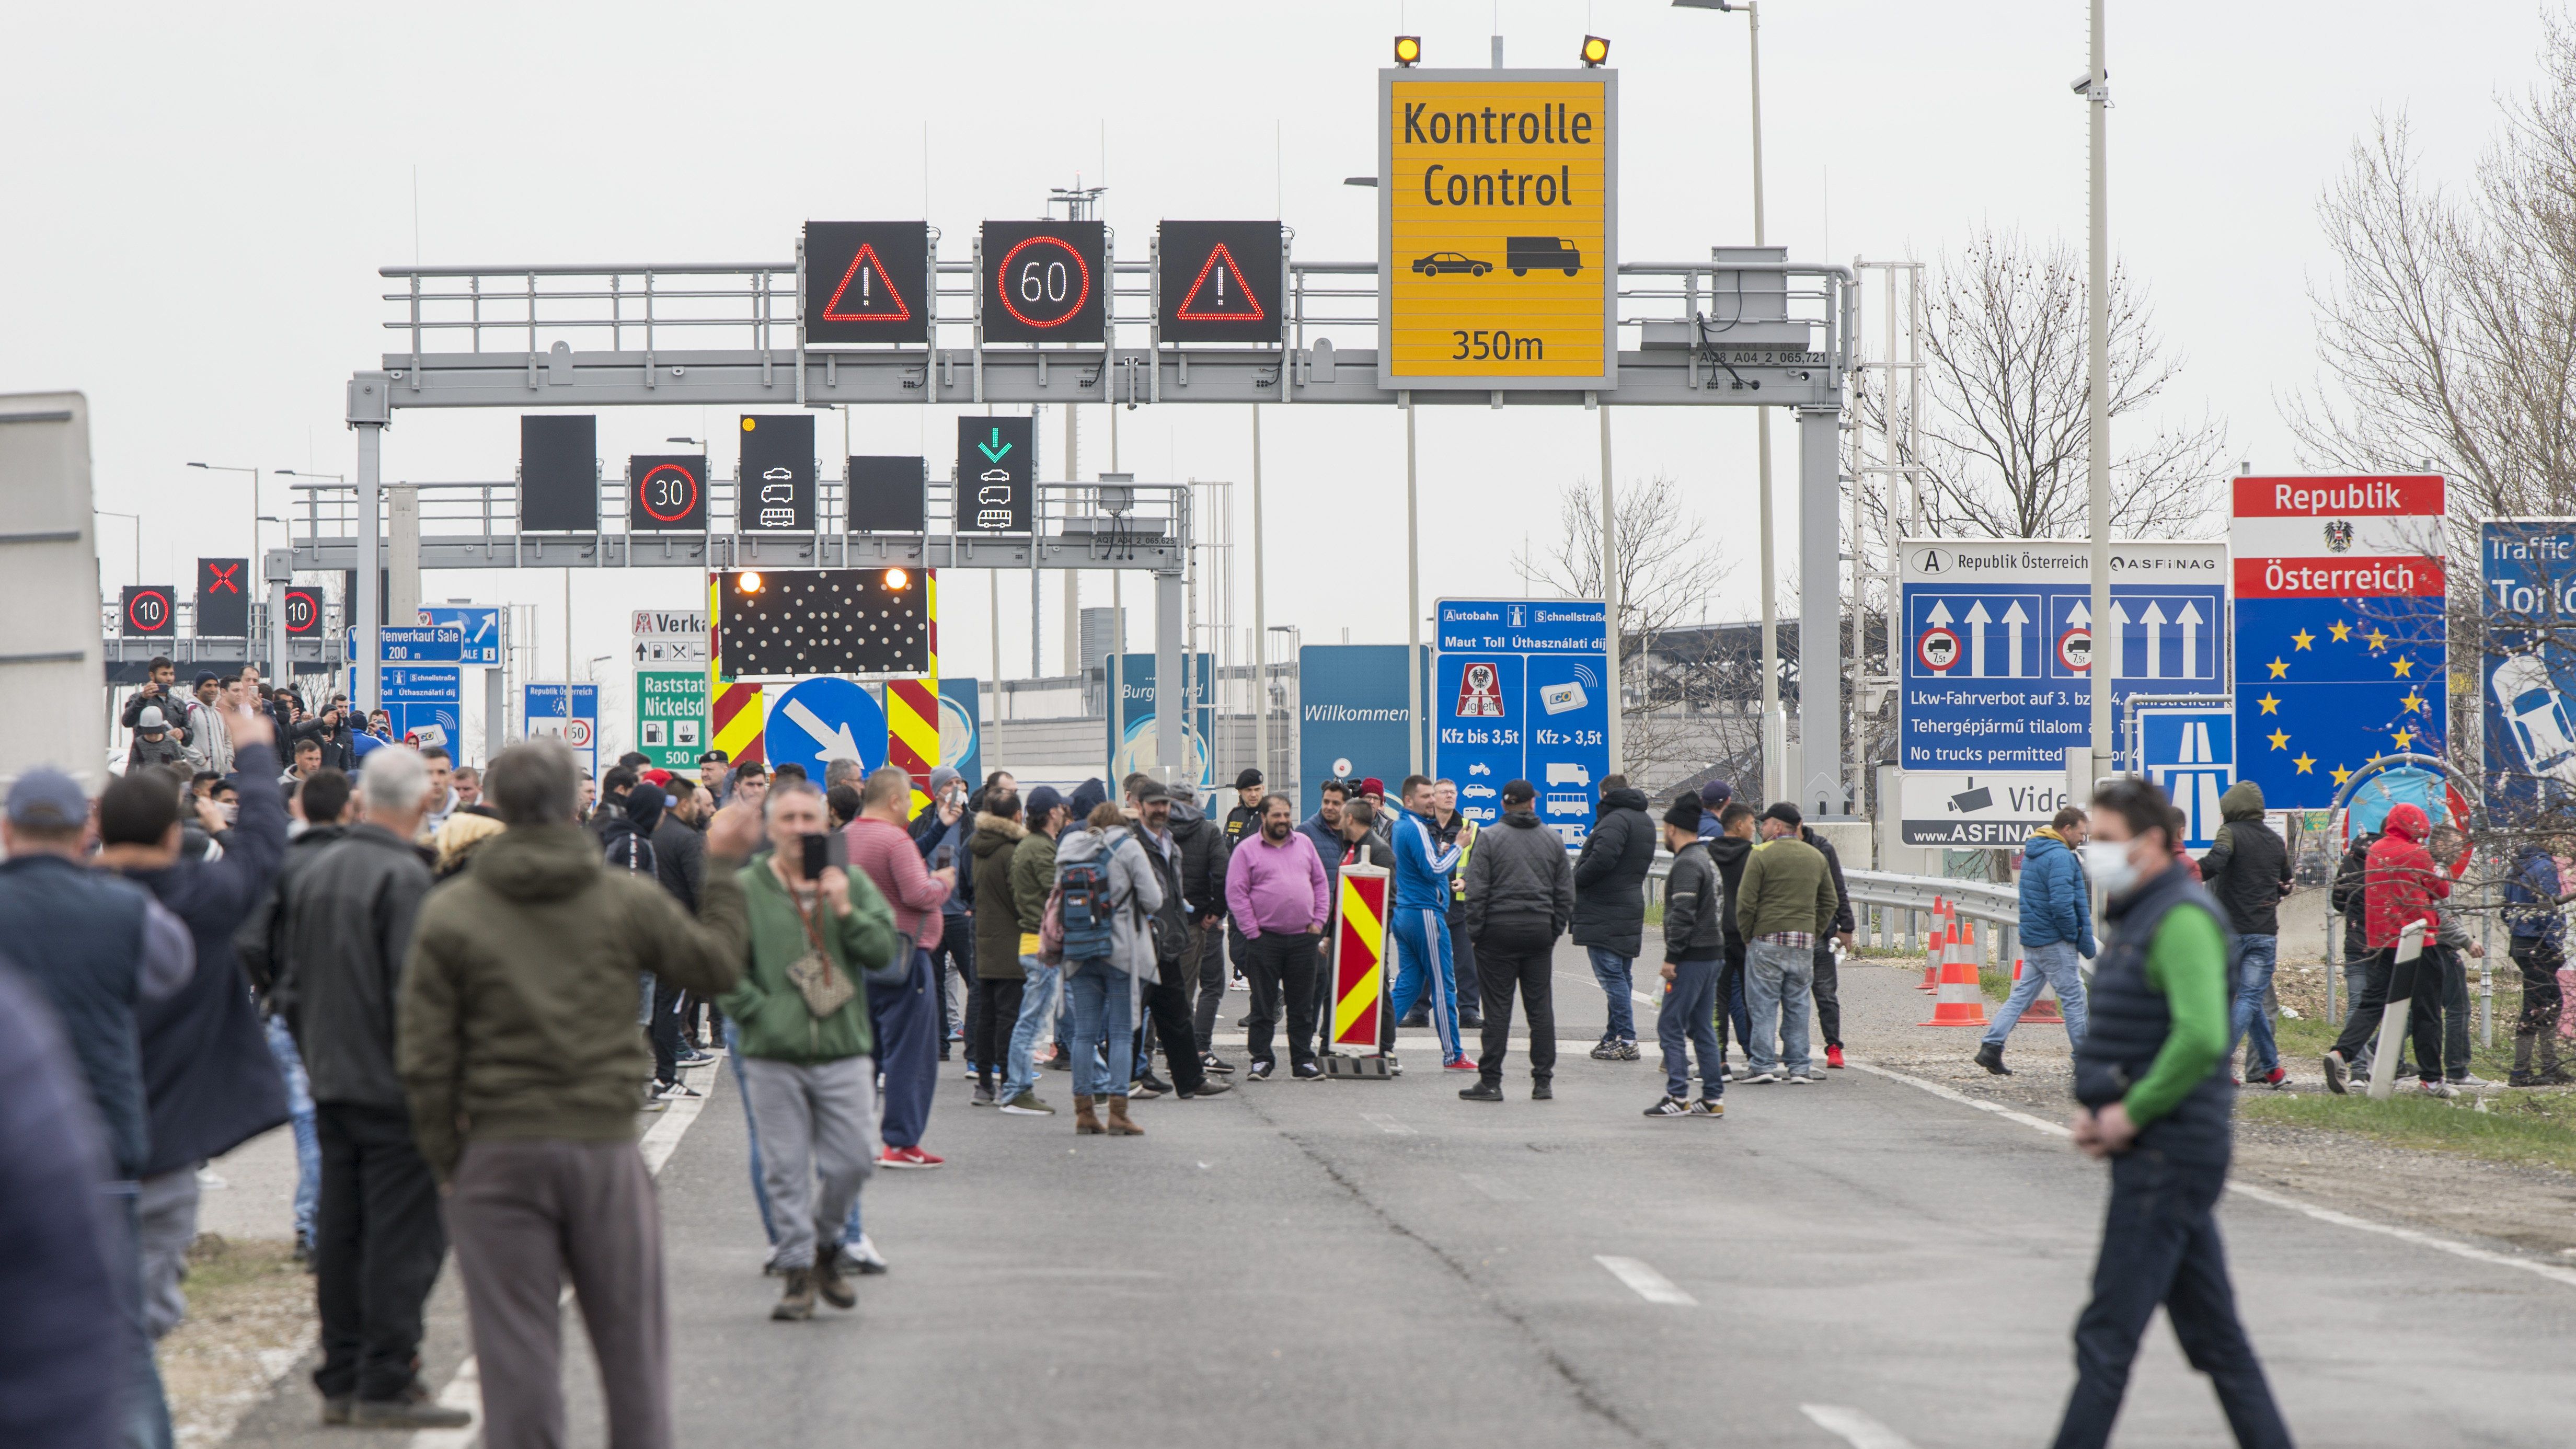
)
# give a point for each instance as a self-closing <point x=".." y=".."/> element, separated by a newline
<point x="1520" y="896"/>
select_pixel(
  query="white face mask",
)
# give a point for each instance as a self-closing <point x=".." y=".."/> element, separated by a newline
<point x="2107" y="861"/>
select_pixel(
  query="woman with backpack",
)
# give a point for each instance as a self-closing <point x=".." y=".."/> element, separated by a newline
<point x="1105" y="890"/>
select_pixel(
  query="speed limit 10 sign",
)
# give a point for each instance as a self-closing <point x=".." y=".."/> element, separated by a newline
<point x="1045" y="281"/>
<point x="666" y="493"/>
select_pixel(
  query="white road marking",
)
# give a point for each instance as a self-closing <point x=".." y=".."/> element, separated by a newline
<point x="1385" y="1123"/>
<point x="1650" y="1285"/>
<point x="2551" y="1271"/>
<point x="465" y="1391"/>
<point x="1494" y="1188"/>
<point x="1854" y="1427"/>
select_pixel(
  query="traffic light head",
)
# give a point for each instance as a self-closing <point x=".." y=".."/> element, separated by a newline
<point x="1408" y="50"/>
<point x="1596" y="51"/>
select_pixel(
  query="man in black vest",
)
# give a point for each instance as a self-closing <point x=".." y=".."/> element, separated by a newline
<point x="2151" y="1073"/>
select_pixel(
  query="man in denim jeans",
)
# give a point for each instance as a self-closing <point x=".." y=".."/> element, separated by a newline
<point x="1610" y="906"/>
<point x="1784" y="903"/>
<point x="2056" y="928"/>
<point x="1032" y="879"/>
<point x="2248" y="870"/>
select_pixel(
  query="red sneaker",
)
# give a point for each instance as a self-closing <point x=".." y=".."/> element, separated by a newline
<point x="1833" y="1056"/>
<point x="909" y="1157"/>
<point x="1459" y="1064"/>
<point x="2277" y="1076"/>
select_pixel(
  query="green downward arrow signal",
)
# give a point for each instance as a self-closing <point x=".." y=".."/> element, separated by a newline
<point x="994" y="450"/>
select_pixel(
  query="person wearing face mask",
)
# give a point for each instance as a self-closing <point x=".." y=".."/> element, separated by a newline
<point x="2151" y="1079"/>
<point x="2056" y="928"/>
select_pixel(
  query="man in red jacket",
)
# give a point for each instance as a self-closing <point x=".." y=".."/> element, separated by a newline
<point x="2399" y="885"/>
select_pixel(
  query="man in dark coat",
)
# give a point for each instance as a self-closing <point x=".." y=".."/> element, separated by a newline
<point x="1202" y="847"/>
<point x="1610" y="906"/>
<point x="209" y="1080"/>
<point x="2248" y="869"/>
<point x="1828" y="987"/>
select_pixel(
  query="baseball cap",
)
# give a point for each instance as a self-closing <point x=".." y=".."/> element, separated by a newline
<point x="1784" y="812"/>
<point x="714" y="757"/>
<point x="150" y="719"/>
<point x="1154" y="790"/>
<point x="47" y="799"/>
<point x="1714" y="795"/>
<point x="1516" y="792"/>
<point x="1249" y="779"/>
<point x="1041" y="800"/>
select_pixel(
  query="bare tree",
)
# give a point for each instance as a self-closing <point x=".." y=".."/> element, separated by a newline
<point x="2448" y="332"/>
<point x="1667" y="570"/>
<point x="2006" y="433"/>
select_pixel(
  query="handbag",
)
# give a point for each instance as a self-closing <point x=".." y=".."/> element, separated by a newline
<point x="825" y="990"/>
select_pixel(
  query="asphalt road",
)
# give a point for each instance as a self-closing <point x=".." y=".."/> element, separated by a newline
<point x="1379" y="1262"/>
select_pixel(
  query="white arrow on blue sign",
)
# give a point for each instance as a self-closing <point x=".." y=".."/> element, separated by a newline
<point x="823" y="719"/>
<point x="478" y="624"/>
<point x="2191" y="752"/>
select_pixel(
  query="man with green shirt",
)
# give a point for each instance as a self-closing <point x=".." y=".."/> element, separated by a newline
<point x="2151" y="1075"/>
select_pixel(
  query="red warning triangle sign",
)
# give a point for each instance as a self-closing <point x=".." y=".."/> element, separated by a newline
<point x="1228" y="301"/>
<point x="866" y="293"/>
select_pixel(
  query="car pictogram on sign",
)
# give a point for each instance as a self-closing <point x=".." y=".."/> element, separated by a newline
<point x="1938" y="649"/>
<point x="1439" y="262"/>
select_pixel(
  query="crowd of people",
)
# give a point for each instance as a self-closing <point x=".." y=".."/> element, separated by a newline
<point x="462" y="990"/>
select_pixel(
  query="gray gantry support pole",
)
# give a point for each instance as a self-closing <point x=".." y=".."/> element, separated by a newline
<point x="1820" y="671"/>
<point x="1171" y="724"/>
<point x="277" y="568"/>
<point x="365" y="677"/>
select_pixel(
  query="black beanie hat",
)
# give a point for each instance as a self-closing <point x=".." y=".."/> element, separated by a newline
<point x="1684" y="814"/>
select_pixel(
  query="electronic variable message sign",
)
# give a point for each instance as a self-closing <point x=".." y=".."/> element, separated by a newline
<point x="1045" y="281"/>
<point x="996" y="474"/>
<point x="1498" y="228"/>
<point x="776" y="489"/>
<point x="150" y="611"/>
<point x="303" y="611"/>
<point x="1218" y="281"/>
<point x="666" y="493"/>
<point x="223" y="606"/>
<point x="559" y="473"/>
<point x="867" y="281"/>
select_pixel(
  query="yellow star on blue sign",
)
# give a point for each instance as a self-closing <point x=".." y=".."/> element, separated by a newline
<point x="2270" y="704"/>
<point x="2307" y="764"/>
<point x="2280" y="739"/>
<point x="2279" y="669"/>
<point x="2303" y="638"/>
<point x="2404" y="667"/>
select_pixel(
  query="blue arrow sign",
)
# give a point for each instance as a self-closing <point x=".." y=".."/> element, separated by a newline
<point x="422" y="644"/>
<point x="819" y="720"/>
<point x="478" y="624"/>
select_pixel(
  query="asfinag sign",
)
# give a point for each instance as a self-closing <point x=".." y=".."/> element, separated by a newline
<point x="1521" y="691"/>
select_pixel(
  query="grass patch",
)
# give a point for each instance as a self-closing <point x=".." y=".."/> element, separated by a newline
<point x="1997" y="985"/>
<point x="2524" y="1128"/>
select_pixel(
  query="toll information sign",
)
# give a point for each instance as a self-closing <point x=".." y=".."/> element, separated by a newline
<point x="1497" y="228"/>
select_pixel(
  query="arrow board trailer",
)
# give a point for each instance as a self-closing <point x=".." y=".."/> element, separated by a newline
<point x="1999" y="644"/>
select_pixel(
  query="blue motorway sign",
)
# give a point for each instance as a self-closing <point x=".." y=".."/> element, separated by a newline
<point x="1353" y="719"/>
<point x="1135" y="740"/>
<point x="2190" y="750"/>
<point x="479" y="626"/>
<point x="816" y="721"/>
<point x="569" y="712"/>
<point x="416" y="644"/>
<point x="1999" y="644"/>
<point x="415" y="696"/>
<point x="961" y="737"/>
<point x="1521" y="690"/>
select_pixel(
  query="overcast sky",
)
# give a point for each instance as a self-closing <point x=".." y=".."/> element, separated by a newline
<point x="198" y="198"/>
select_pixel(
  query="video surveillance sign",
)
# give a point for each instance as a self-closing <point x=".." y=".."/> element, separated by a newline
<point x="1976" y="809"/>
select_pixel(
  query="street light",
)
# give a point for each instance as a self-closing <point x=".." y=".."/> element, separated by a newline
<point x="339" y="478"/>
<point x="1774" y="767"/>
<point x="254" y="495"/>
<point x="137" y="520"/>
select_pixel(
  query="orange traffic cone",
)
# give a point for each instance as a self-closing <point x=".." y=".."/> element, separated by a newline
<point x="1962" y="1001"/>
<point x="2044" y="1010"/>
<point x="1936" y="954"/>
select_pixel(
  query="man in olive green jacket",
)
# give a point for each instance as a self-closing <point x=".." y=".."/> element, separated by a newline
<point x="1784" y="904"/>
<point x="525" y="1071"/>
<point x="810" y="1080"/>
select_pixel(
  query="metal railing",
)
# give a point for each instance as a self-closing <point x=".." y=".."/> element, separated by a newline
<point x="1894" y="912"/>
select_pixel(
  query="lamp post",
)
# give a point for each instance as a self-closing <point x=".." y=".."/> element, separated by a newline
<point x="288" y="523"/>
<point x="254" y="496"/>
<point x="137" y="520"/>
<point x="2097" y="368"/>
<point x="1775" y="777"/>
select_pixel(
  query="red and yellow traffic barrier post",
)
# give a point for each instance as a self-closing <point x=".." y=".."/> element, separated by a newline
<point x="1359" y="972"/>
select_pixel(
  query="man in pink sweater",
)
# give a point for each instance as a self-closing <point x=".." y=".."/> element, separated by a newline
<point x="1274" y="888"/>
<point x="908" y="1016"/>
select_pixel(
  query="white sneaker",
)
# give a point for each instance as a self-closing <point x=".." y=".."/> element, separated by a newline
<point x="2471" y="1080"/>
<point x="1759" y="1079"/>
<point x="2437" y="1089"/>
<point x="1801" y="1079"/>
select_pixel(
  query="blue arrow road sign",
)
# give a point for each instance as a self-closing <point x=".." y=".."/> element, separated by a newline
<point x="819" y="720"/>
<point x="421" y="644"/>
<point x="478" y="624"/>
<point x="2191" y="752"/>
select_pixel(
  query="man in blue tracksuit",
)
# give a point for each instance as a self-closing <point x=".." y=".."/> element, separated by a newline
<point x="1418" y="923"/>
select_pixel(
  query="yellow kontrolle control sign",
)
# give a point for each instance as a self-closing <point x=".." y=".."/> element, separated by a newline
<point x="1498" y="228"/>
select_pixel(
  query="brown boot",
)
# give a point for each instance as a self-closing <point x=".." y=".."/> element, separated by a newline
<point x="1084" y="1123"/>
<point x="828" y="1280"/>
<point x="1119" y="1125"/>
<point x="798" y="1301"/>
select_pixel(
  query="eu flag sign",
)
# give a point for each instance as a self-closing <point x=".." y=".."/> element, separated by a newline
<point x="2340" y="629"/>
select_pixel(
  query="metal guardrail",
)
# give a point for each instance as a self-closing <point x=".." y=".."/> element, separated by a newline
<point x="1890" y="909"/>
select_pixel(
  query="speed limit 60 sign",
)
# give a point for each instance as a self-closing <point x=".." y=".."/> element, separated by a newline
<point x="666" y="493"/>
<point x="1045" y="281"/>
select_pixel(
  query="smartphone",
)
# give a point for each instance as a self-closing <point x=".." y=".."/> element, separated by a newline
<point x="818" y="855"/>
